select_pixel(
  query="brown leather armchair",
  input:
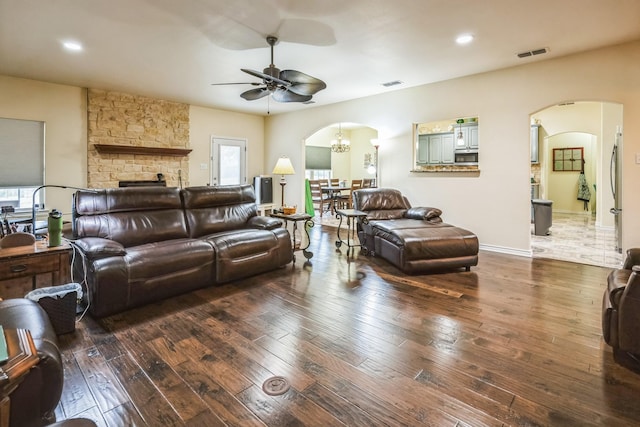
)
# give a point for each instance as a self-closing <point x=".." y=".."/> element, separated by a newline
<point x="621" y="311"/>
<point x="34" y="400"/>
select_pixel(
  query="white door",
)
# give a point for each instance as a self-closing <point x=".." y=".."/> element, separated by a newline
<point x="228" y="161"/>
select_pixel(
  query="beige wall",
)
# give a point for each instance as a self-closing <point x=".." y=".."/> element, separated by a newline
<point x="494" y="204"/>
<point x="561" y="187"/>
<point x="208" y="122"/>
<point x="64" y="111"/>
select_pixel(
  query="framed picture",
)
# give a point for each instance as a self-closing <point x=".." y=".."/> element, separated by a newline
<point x="568" y="159"/>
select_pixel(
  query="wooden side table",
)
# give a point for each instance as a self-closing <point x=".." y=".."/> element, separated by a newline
<point x="25" y="268"/>
<point x="22" y="357"/>
<point x="307" y="224"/>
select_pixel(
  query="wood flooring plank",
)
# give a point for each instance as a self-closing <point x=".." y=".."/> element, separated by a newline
<point x="76" y="394"/>
<point x="514" y="342"/>
<point x="147" y="401"/>
<point x="229" y="378"/>
<point x="229" y="408"/>
<point x="104" y="386"/>
<point x="124" y="415"/>
<point x="172" y="387"/>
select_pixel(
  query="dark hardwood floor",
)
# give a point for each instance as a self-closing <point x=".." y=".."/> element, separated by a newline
<point x="516" y="341"/>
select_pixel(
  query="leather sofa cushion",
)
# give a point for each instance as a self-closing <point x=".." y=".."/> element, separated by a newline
<point x="210" y="210"/>
<point x="242" y="243"/>
<point x="381" y="203"/>
<point x="97" y="247"/>
<point x="425" y="240"/>
<point x="131" y="216"/>
<point x="167" y="257"/>
<point x="429" y="214"/>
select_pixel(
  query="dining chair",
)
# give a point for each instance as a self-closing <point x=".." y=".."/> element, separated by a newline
<point x="367" y="183"/>
<point x="346" y="200"/>
<point x="334" y="182"/>
<point x="319" y="197"/>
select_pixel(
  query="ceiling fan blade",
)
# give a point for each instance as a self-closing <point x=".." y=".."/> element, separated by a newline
<point x="266" y="77"/>
<point x="301" y="83"/>
<point x="283" y="95"/>
<point x="253" y="94"/>
<point x="237" y="83"/>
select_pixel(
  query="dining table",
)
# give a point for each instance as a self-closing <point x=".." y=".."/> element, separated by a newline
<point x="334" y="191"/>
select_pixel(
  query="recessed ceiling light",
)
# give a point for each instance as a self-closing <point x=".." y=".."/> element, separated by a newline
<point x="464" y="39"/>
<point x="72" y="46"/>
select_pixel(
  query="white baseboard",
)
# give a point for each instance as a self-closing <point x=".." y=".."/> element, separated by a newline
<point x="508" y="251"/>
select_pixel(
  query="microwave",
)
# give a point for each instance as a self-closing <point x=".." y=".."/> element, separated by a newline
<point x="466" y="158"/>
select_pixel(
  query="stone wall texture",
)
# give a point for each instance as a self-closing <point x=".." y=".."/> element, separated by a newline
<point x="122" y="119"/>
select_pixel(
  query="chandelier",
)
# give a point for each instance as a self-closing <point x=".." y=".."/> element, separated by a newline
<point x="340" y="145"/>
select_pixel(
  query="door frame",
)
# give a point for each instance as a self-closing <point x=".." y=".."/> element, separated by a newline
<point x="216" y="142"/>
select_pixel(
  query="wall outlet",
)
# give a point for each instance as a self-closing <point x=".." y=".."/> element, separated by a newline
<point x="637" y="158"/>
<point x="203" y="166"/>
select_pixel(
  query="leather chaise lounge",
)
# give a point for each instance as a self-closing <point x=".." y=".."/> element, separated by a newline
<point x="414" y="239"/>
<point x="143" y="244"/>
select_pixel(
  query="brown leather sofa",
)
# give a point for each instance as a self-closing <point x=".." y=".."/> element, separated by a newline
<point x="621" y="311"/>
<point x="143" y="244"/>
<point x="414" y="239"/>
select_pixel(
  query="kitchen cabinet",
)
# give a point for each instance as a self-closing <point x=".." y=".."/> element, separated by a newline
<point x="535" y="142"/>
<point x="435" y="148"/>
<point x="469" y="136"/>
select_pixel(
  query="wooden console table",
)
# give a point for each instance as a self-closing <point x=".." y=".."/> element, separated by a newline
<point x="22" y="357"/>
<point x="25" y="268"/>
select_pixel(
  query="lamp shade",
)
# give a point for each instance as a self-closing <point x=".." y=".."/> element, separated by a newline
<point x="283" y="167"/>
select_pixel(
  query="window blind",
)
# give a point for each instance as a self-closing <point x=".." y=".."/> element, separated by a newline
<point x="318" y="158"/>
<point x="22" y="151"/>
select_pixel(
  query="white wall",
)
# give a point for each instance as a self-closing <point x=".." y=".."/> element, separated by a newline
<point x="207" y="122"/>
<point x="64" y="111"/>
<point x="494" y="204"/>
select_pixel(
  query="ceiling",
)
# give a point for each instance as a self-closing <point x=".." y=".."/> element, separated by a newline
<point x="175" y="49"/>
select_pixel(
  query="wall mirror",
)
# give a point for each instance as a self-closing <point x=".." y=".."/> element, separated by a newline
<point x="446" y="143"/>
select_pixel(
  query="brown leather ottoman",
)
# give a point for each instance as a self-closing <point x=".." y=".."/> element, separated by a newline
<point x="414" y="247"/>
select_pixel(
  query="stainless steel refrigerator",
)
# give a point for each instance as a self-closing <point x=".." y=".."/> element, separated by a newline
<point x="615" y="173"/>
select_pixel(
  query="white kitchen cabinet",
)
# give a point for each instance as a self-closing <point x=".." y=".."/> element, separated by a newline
<point x="435" y="149"/>
<point x="469" y="136"/>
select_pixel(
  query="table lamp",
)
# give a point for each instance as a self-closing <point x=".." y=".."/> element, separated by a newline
<point x="283" y="167"/>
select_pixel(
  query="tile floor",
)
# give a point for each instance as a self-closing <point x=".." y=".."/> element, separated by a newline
<point x="573" y="237"/>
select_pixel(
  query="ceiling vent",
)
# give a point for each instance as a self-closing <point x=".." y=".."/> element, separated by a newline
<point x="392" y="83"/>
<point x="533" y="52"/>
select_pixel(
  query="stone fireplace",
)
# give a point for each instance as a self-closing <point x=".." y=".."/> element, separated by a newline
<point x="135" y="138"/>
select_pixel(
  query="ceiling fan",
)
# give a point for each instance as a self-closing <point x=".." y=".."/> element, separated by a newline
<point x="283" y="86"/>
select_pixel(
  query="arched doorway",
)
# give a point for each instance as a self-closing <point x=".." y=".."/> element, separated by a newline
<point x="581" y="231"/>
<point x="324" y="161"/>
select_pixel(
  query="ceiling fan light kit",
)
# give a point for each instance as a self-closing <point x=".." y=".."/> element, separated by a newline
<point x="282" y="85"/>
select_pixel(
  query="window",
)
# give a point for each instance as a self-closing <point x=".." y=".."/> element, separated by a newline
<point x="568" y="159"/>
<point x="22" y="145"/>
<point x="317" y="162"/>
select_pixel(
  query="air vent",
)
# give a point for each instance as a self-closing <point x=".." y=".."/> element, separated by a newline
<point x="564" y="104"/>
<point x="533" y="52"/>
<point x="392" y="83"/>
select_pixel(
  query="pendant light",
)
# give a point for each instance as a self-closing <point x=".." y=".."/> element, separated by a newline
<point x="340" y="145"/>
